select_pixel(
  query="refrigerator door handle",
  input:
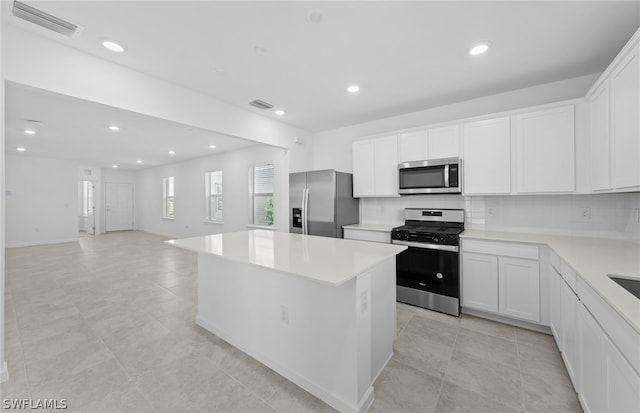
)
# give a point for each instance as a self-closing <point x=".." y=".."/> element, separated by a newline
<point x="305" y="212"/>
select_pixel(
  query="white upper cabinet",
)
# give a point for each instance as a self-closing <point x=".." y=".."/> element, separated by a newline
<point x="375" y="167"/>
<point x="544" y="143"/>
<point x="625" y="117"/>
<point x="600" y="138"/>
<point x="413" y="146"/>
<point x="486" y="159"/>
<point x="436" y="143"/>
<point x="363" y="167"/>
<point x="444" y="142"/>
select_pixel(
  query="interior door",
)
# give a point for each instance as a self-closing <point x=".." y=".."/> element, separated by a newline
<point x="118" y="207"/>
<point x="89" y="188"/>
<point x="321" y="214"/>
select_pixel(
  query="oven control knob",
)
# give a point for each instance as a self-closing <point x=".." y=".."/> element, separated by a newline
<point x="439" y="276"/>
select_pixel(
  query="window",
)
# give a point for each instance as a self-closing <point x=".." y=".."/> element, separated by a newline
<point x="167" y="197"/>
<point x="261" y="190"/>
<point x="213" y="190"/>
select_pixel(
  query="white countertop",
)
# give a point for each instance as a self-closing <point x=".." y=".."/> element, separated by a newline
<point x="372" y="227"/>
<point x="592" y="259"/>
<point x="331" y="261"/>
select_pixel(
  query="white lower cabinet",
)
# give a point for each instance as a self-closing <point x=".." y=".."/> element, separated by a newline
<point x="608" y="383"/>
<point x="501" y="278"/>
<point x="569" y="331"/>
<point x="480" y="282"/>
<point x="593" y="362"/>
<point x="519" y="288"/>
<point x="555" y="319"/>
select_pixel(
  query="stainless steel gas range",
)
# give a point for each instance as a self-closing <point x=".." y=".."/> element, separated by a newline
<point x="428" y="272"/>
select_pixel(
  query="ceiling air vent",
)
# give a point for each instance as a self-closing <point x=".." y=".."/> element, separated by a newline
<point x="43" y="19"/>
<point x="261" y="104"/>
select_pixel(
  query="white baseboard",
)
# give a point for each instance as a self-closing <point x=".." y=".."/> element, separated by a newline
<point x="507" y="320"/>
<point x="4" y="373"/>
<point x="36" y="243"/>
<point x="321" y="393"/>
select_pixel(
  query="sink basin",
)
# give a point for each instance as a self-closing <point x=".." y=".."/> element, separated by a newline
<point x="633" y="286"/>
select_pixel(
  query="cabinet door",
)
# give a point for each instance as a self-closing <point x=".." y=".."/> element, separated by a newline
<point x="593" y="363"/>
<point x="480" y="281"/>
<point x="599" y="106"/>
<point x="545" y="150"/>
<point x="623" y="383"/>
<point x="569" y="307"/>
<point x="555" y="320"/>
<point x="413" y="147"/>
<point x="519" y="288"/>
<point x="363" y="166"/>
<point x="625" y="110"/>
<point x="385" y="169"/>
<point x="444" y="142"/>
<point x="487" y="157"/>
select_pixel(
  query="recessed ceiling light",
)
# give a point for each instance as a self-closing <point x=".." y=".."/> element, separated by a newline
<point x="115" y="165"/>
<point x="138" y="160"/>
<point x="212" y="146"/>
<point x="114" y="128"/>
<point x="353" y="89"/>
<point x="479" y="48"/>
<point x="29" y="131"/>
<point x="20" y="149"/>
<point x="259" y="49"/>
<point x="114" y="47"/>
<point x="172" y="152"/>
<point x="279" y="112"/>
<point x="315" y="16"/>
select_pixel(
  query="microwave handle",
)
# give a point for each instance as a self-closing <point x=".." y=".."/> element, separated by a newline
<point x="446" y="176"/>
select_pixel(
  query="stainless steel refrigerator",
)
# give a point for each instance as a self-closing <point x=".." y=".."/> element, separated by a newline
<point x="321" y="202"/>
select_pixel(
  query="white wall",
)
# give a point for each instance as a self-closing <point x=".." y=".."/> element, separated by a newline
<point x="190" y="196"/>
<point x="4" y="374"/>
<point x="332" y="149"/>
<point x="41" y="201"/>
<point x="632" y="216"/>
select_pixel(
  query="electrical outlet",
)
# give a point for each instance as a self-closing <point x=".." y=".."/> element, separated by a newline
<point x="364" y="301"/>
<point x="490" y="211"/>
<point x="585" y="213"/>
<point x="284" y="314"/>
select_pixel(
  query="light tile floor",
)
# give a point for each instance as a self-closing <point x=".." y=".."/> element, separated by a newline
<point x="108" y="324"/>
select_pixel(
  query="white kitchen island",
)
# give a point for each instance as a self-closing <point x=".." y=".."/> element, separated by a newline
<point x="319" y="311"/>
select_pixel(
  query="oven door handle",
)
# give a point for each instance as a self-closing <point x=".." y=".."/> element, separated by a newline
<point x="452" y="248"/>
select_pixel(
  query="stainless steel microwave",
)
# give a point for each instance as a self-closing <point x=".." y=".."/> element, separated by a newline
<point x="434" y="176"/>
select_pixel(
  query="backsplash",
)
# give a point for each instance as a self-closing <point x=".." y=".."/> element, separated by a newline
<point x="600" y="215"/>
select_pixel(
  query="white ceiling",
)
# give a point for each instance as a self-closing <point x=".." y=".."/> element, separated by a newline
<point x="77" y="130"/>
<point x="406" y="56"/>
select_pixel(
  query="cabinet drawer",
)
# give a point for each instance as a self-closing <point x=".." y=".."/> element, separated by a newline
<point x="505" y="249"/>
<point x="364" y="235"/>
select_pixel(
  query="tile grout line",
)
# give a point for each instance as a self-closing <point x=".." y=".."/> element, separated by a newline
<point x="455" y="342"/>
<point x="111" y="352"/>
